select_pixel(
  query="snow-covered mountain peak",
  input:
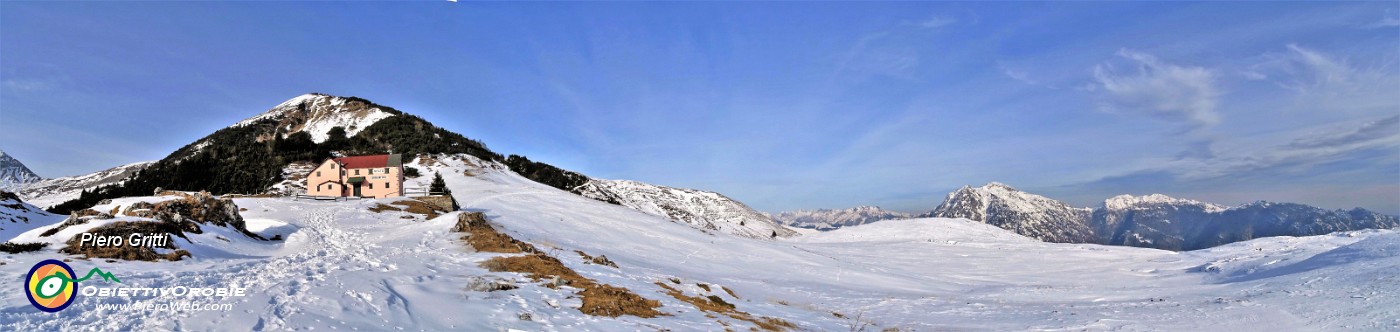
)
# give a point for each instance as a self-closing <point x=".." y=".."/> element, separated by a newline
<point x="317" y="113"/>
<point x="1025" y="213"/>
<point x="1019" y="200"/>
<point x="998" y="186"/>
<point x="1125" y="202"/>
<point x="14" y="175"/>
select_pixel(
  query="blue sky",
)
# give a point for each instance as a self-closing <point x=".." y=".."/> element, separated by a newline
<point x="780" y="105"/>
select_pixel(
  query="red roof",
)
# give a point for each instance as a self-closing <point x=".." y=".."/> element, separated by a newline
<point x="374" y="161"/>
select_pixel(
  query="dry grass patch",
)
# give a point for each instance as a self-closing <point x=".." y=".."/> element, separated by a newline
<point x="409" y="205"/>
<point x="613" y="301"/>
<point x="717" y="305"/>
<point x="15" y="248"/>
<point x="598" y="299"/>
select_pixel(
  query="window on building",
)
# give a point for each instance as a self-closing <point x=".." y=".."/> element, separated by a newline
<point x="371" y="186"/>
<point x="386" y="185"/>
<point x="386" y="170"/>
<point x="357" y="172"/>
<point x="318" y="173"/>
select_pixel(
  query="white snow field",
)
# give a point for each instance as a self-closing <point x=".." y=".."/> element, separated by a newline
<point x="342" y="267"/>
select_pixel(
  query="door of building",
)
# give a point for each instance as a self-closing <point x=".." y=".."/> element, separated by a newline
<point x="357" y="190"/>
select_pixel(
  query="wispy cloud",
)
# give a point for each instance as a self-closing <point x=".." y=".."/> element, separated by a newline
<point x="1326" y="81"/>
<point x="27" y="85"/>
<point x="1390" y="20"/>
<point x="1150" y="86"/>
<point x="1300" y="154"/>
<point x="1016" y="74"/>
<point x="1317" y="159"/>
<point x="938" y="22"/>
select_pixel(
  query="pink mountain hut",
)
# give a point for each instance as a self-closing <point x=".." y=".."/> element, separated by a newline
<point x="375" y="176"/>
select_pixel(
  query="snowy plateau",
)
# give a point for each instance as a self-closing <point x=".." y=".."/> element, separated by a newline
<point x="341" y="266"/>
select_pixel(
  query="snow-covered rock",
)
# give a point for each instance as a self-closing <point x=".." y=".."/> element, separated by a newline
<point x="14" y="176"/>
<point x="829" y="219"/>
<point x="316" y="114"/>
<point x="703" y="210"/>
<point x="50" y="192"/>
<point x="1021" y="212"/>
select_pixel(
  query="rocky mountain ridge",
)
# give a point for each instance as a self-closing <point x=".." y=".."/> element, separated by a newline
<point x="830" y="219"/>
<point x="1153" y="221"/>
<point x="700" y="209"/>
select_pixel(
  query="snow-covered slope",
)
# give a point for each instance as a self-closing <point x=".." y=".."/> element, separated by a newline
<point x="17" y="217"/>
<point x="343" y="267"/>
<point x="317" y="113"/>
<point x="1024" y="213"/>
<point x="703" y="210"/>
<point x="53" y="191"/>
<point x="14" y="176"/>
<point x="829" y="219"/>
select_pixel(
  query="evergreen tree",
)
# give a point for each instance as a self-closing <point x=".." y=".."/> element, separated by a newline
<point x="438" y="185"/>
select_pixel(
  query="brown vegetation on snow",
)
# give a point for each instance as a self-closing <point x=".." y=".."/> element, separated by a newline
<point x="598" y="299"/>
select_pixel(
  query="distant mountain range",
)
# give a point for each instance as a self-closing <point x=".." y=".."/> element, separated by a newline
<point x="50" y="192"/>
<point x="829" y="219"/>
<point x="1152" y="221"/>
